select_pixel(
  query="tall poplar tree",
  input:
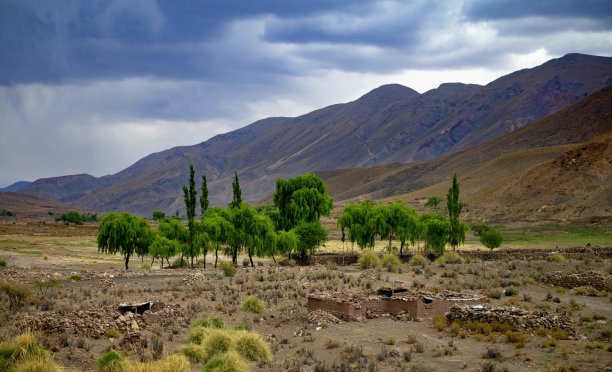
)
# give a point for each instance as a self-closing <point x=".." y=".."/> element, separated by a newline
<point x="204" y="197"/>
<point x="190" y="204"/>
<point x="457" y="230"/>
<point x="237" y="193"/>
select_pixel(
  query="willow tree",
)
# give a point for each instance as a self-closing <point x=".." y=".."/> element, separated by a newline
<point x="124" y="233"/>
<point x="286" y="242"/>
<point x="362" y="222"/>
<point x="163" y="248"/>
<point x="300" y="199"/>
<point x="433" y="202"/>
<point x="219" y="229"/>
<point x="310" y="236"/>
<point x="458" y="228"/>
<point x="436" y="229"/>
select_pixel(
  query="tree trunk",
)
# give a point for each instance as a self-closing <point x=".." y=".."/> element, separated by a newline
<point x="204" y="257"/>
<point x="273" y="259"/>
<point x="401" y="248"/>
<point x="251" y="259"/>
<point x="127" y="259"/>
<point x="235" y="256"/>
<point x="216" y="256"/>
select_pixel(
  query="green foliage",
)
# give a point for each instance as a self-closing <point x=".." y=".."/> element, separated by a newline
<point x="456" y="234"/>
<point x="24" y="353"/>
<point x="159" y="215"/>
<point x="228" y="362"/>
<point x="390" y="262"/>
<point x="555" y="257"/>
<point x="112" y="361"/>
<point x="195" y="353"/>
<point x="210" y="321"/>
<point x="71" y="217"/>
<point x="124" y="233"/>
<point x="436" y="231"/>
<point x="310" y="236"/>
<point x="252" y="347"/>
<point x="419" y="260"/>
<point x="439" y="322"/>
<point x="217" y="342"/>
<point x="228" y="268"/>
<point x="16" y="293"/>
<point x="236" y="192"/>
<point x="369" y="260"/>
<point x="252" y="305"/>
<point x="300" y="199"/>
<point x="6" y="213"/>
<point x="2" y="263"/>
<point x="450" y="258"/>
<point x="491" y="238"/>
<point x="287" y="241"/>
<point x="189" y="195"/>
<point x="360" y="221"/>
<point x="163" y="248"/>
<point x="204" y="196"/>
<point x="433" y="202"/>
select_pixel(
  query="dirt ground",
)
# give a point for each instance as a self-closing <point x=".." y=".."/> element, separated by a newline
<point x="93" y="285"/>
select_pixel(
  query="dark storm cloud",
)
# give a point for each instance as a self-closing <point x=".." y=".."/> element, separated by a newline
<point x="479" y="10"/>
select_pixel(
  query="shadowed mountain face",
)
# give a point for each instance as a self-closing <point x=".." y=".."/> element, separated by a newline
<point x="391" y="124"/>
<point x="555" y="169"/>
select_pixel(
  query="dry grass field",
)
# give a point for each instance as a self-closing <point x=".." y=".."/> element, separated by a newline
<point x="75" y="318"/>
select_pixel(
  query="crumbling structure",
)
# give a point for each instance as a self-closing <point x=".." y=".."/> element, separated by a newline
<point x="389" y="301"/>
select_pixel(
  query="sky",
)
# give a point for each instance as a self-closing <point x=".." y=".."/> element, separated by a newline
<point x="93" y="86"/>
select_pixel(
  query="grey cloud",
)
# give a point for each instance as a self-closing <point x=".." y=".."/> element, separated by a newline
<point x="479" y="10"/>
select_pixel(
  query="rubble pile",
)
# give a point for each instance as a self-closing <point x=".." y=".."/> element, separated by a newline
<point x="192" y="279"/>
<point x="94" y="323"/>
<point x="518" y="319"/>
<point x="321" y="316"/>
<point x="107" y="283"/>
<point x="572" y="280"/>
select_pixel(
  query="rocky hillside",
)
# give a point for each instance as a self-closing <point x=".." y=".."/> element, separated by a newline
<point x="391" y="124"/>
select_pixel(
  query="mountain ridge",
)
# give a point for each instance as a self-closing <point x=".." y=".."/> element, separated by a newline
<point x="390" y="124"/>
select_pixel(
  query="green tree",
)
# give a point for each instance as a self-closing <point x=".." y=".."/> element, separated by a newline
<point x="72" y="217"/>
<point x="163" y="248"/>
<point x="361" y="220"/>
<point x="491" y="238"/>
<point x="158" y="215"/>
<point x="433" y="202"/>
<point x="300" y="199"/>
<point x="204" y="197"/>
<point x="310" y="236"/>
<point x="237" y="193"/>
<point x="286" y="242"/>
<point x="219" y="229"/>
<point x="457" y="227"/>
<point x="436" y="230"/>
<point x="124" y="233"/>
<point x="190" y="205"/>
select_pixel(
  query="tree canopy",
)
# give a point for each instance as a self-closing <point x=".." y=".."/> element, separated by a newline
<point x="458" y="228"/>
<point x="124" y="233"/>
<point x="300" y="199"/>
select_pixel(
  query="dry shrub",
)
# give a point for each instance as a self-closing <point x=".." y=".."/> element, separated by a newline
<point x="228" y="268"/>
<point x="217" y="342"/>
<point x="390" y="262"/>
<point x="252" y="305"/>
<point x="172" y="363"/>
<point x="24" y="353"/>
<point x="369" y="260"/>
<point x="439" y="322"/>
<point x="228" y="362"/>
<point x="419" y="260"/>
<point x="252" y="347"/>
<point x="195" y="353"/>
<point x="450" y="258"/>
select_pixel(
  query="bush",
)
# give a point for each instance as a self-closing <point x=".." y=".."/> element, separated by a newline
<point x="252" y="305"/>
<point x="24" y="353"/>
<point x="17" y="294"/>
<point x="6" y="213"/>
<point x="145" y="266"/>
<point x="2" y="263"/>
<point x="172" y="363"/>
<point x="252" y="347"/>
<point x="439" y="322"/>
<point x="217" y="342"/>
<point x="178" y="263"/>
<point x="450" y="258"/>
<point x="492" y="353"/>
<point x="71" y="217"/>
<point x="516" y="337"/>
<point x="495" y="293"/>
<point x="228" y="268"/>
<point x="198" y="334"/>
<point x="208" y="322"/>
<point x="419" y="260"/>
<point x="555" y="257"/>
<point x="111" y="361"/>
<point x="246" y="262"/>
<point x="369" y="260"/>
<point x="491" y="238"/>
<point x="228" y="362"/>
<point x="194" y="353"/>
<point x="391" y="262"/>
<point x="511" y="291"/>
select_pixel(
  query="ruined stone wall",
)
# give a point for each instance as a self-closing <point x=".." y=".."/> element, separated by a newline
<point x="537" y="254"/>
<point x="342" y="310"/>
<point x="573" y="280"/>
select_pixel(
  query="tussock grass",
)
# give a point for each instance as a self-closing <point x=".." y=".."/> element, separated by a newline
<point x="24" y="353"/>
<point x="228" y="362"/>
<point x="390" y="262"/>
<point x="450" y="258"/>
<point x="419" y="260"/>
<point x="252" y="305"/>
<point x="228" y="268"/>
<point x="251" y="346"/>
<point x="171" y="363"/>
<point x="369" y="260"/>
<point x="112" y="361"/>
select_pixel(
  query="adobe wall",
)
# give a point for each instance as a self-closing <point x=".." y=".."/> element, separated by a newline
<point x="342" y="310"/>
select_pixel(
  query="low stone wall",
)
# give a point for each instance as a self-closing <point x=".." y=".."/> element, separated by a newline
<point x="572" y="280"/>
<point x="419" y="305"/>
<point x="334" y="258"/>
<point x="517" y="318"/>
<point x="537" y="254"/>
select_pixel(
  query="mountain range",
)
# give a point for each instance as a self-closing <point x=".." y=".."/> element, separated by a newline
<point x="390" y="129"/>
